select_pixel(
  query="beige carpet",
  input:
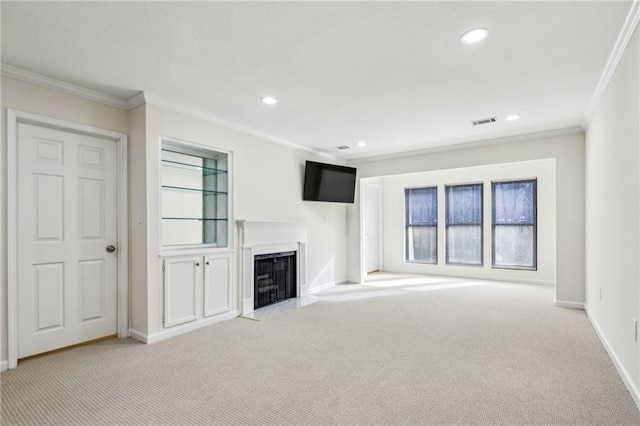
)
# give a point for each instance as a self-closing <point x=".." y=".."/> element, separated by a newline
<point x="406" y="351"/>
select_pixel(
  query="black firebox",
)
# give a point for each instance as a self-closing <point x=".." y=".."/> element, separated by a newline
<point x="275" y="278"/>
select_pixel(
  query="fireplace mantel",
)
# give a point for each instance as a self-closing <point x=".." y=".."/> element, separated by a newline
<point x="264" y="237"/>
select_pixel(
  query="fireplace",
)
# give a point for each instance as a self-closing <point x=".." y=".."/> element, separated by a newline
<point x="275" y="278"/>
<point x="261" y="239"/>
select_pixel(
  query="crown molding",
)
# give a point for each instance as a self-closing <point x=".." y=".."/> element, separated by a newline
<point x="142" y="98"/>
<point x="136" y="100"/>
<point x="630" y="24"/>
<point x="204" y="116"/>
<point x="467" y="145"/>
<point x="61" y="86"/>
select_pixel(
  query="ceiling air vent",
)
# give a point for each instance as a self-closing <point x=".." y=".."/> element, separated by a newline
<point x="341" y="147"/>
<point x="484" y="121"/>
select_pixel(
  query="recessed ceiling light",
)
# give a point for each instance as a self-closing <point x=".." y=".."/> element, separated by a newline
<point x="362" y="143"/>
<point x="512" y="117"/>
<point x="269" y="100"/>
<point x="474" y="36"/>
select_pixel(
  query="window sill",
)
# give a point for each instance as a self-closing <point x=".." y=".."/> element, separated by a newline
<point x="515" y="268"/>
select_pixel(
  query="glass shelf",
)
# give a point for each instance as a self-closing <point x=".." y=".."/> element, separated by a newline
<point x="206" y="171"/>
<point x="204" y="191"/>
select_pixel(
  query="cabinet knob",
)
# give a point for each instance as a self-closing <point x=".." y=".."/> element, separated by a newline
<point x="207" y="263"/>
<point x="197" y="263"/>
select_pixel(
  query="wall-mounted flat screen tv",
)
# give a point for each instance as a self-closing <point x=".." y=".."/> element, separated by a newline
<point x="329" y="182"/>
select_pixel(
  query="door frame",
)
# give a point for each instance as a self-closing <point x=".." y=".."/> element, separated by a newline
<point x="364" y="185"/>
<point x="15" y="117"/>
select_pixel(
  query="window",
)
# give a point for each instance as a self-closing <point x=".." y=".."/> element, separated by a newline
<point x="464" y="224"/>
<point x="194" y="196"/>
<point x="514" y="225"/>
<point x="421" y="222"/>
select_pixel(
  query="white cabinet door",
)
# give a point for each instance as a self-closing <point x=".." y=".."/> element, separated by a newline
<point x="217" y="284"/>
<point x="182" y="281"/>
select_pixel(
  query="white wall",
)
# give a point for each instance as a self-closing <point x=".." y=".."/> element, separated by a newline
<point x="394" y="212"/>
<point x="34" y="99"/>
<point x="138" y="315"/>
<point x="568" y="153"/>
<point x="613" y="212"/>
<point x="267" y="185"/>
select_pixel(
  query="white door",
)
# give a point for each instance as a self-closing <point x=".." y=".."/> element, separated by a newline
<point x="373" y="198"/>
<point x="67" y="200"/>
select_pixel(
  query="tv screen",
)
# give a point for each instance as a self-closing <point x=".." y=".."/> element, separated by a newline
<point x="329" y="182"/>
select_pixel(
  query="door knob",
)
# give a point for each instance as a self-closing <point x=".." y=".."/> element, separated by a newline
<point x="110" y="248"/>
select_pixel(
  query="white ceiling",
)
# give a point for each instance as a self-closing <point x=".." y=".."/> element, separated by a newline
<point x="391" y="73"/>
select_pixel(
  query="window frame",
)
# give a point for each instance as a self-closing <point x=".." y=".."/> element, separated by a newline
<point x="534" y="225"/>
<point x="408" y="226"/>
<point x="479" y="224"/>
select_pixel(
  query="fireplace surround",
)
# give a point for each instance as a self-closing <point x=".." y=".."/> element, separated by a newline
<point x="268" y="237"/>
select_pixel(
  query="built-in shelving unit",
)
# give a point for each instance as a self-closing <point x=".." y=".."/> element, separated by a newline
<point x="195" y="192"/>
<point x="195" y="203"/>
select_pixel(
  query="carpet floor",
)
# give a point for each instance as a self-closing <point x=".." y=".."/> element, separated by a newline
<point x="399" y="350"/>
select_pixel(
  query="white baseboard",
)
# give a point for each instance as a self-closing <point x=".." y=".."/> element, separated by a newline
<point x="184" y="328"/>
<point x="4" y="365"/>
<point x="318" y="288"/>
<point x="140" y="337"/>
<point x="569" y="304"/>
<point x="633" y="390"/>
<point x="246" y="306"/>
